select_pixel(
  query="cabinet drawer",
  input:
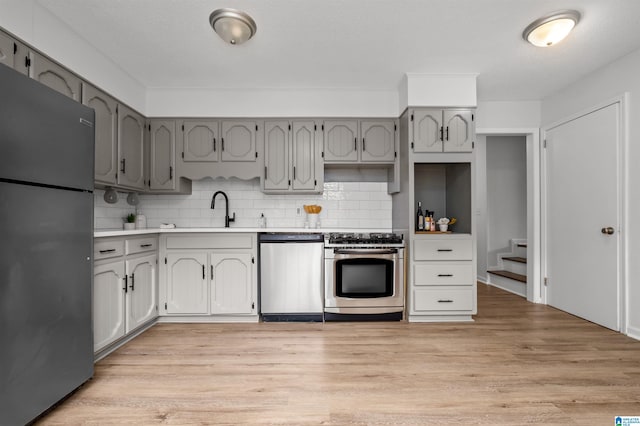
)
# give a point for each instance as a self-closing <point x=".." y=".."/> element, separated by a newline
<point x="444" y="273"/>
<point x="443" y="249"/>
<point x="140" y="245"/>
<point x="427" y="299"/>
<point x="104" y="249"/>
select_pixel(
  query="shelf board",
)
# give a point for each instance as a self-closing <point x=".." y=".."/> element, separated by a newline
<point x="433" y="232"/>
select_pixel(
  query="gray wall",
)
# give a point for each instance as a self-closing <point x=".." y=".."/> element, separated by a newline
<point x="506" y="192"/>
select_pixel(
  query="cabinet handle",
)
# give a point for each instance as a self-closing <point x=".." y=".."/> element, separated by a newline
<point x="355" y="144"/>
<point x="447" y="132"/>
<point x="211" y="272"/>
<point x="294" y="172"/>
<point x="265" y="172"/>
<point x="145" y="245"/>
<point x="126" y="283"/>
<point x="445" y="249"/>
<point x="222" y="142"/>
<point x="445" y="275"/>
<point x="445" y="301"/>
<point x="108" y="251"/>
<point x="170" y="172"/>
<point x="203" y="277"/>
<point x="132" y="281"/>
<point x="363" y="148"/>
<point x="214" y="144"/>
<point x="441" y="133"/>
<point x="123" y="161"/>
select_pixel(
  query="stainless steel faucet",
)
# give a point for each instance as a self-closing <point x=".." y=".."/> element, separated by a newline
<point x="227" y="219"/>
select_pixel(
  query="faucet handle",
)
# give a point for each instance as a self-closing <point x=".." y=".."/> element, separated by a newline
<point x="233" y="218"/>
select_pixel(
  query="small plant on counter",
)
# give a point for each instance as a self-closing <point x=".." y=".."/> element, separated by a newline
<point x="131" y="218"/>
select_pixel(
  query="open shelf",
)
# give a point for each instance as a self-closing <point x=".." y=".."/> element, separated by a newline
<point x="445" y="189"/>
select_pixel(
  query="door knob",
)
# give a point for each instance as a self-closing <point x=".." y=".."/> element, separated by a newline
<point x="608" y="230"/>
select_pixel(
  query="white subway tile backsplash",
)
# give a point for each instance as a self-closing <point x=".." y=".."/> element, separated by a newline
<point x="362" y="205"/>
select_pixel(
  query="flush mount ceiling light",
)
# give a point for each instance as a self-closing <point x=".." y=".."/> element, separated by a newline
<point x="233" y="26"/>
<point x="551" y="29"/>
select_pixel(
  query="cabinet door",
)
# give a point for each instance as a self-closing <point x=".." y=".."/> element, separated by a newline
<point x="106" y="142"/>
<point x="458" y="131"/>
<point x="14" y="54"/>
<point x="304" y="159"/>
<point x="142" y="297"/>
<point x="427" y="130"/>
<point x="56" y="77"/>
<point x="276" y="155"/>
<point x="162" y="154"/>
<point x="186" y="283"/>
<point x="231" y="283"/>
<point x="341" y="140"/>
<point x="378" y="141"/>
<point x="238" y="141"/>
<point x="108" y="303"/>
<point x="200" y="141"/>
<point x="130" y="148"/>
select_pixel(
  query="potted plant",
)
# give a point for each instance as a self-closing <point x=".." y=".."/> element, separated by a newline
<point x="130" y="221"/>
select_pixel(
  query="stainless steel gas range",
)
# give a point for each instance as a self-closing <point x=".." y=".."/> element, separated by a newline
<point x="364" y="276"/>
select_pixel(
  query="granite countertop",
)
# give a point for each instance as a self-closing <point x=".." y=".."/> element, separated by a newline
<point x="119" y="232"/>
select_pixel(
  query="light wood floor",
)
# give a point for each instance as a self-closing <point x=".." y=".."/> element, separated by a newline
<point x="518" y="364"/>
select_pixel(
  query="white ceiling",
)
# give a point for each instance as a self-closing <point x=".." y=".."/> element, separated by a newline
<point x="353" y="44"/>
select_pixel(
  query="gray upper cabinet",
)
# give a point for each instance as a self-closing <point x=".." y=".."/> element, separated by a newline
<point x="238" y="140"/>
<point x="378" y="140"/>
<point x="276" y="155"/>
<point x="360" y="141"/>
<point x="340" y="140"/>
<point x="162" y="154"/>
<point x="291" y="160"/>
<point x="200" y="141"/>
<point x="14" y="54"/>
<point x="106" y="140"/>
<point x="458" y="130"/>
<point x="438" y="130"/>
<point x="131" y="141"/>
<point x="56" y="77"/>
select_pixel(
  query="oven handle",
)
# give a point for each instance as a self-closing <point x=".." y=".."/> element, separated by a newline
<point x="365" y="251"/>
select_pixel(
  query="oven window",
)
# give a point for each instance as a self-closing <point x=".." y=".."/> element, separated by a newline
<point x="364" y="278"/>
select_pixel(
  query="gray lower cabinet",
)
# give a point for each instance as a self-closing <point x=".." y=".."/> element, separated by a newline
<point x="162" y="154"/>
<point x="124" y="288"/>
<point x="55" y="76"/>
<point x="14" y="54"/>
<point x="106" y="133"/>
<point x="131" y="142"/>
<point x="442" y="130"/>
<point x="209" y="276"/>
<point x="291" y="157"/>
<point x="360" y="141"/>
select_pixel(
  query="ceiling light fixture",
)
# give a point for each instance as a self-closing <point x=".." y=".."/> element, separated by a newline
<point x="551" y="29"/>
<point x="233" y="26"/>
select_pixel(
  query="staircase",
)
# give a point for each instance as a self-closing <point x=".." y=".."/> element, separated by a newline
<point x="511" y="273"/>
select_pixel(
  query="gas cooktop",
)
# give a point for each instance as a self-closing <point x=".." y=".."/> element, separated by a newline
<point x="368" y="239"/>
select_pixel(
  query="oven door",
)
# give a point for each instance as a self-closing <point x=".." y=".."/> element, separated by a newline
<point x="363" y="280"/>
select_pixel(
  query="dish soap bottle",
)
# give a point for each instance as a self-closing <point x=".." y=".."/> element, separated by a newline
<point x="262" y="221"/>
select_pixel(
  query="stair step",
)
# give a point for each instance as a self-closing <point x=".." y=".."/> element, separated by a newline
<point x="516" y="259"/>
<point x="511" y="275"/>
<point x="521" y="245"/>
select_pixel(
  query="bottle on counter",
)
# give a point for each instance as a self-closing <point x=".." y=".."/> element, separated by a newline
<point x="419" y="218"/>
<point x="141" y="221"/>
<point x="262" y="221"/>
<point x="427" y="217"/>
<point x="432" y="222"/>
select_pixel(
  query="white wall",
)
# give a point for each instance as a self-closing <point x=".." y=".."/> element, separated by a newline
<point x="363" y="205"/>
<point x="508" y="114"/>
<point x="506" y="194"/>
<point x="39" y="28"/>
<point x="619" y="77"/>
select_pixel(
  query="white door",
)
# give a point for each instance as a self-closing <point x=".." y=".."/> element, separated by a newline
<point x="582" y="208"/>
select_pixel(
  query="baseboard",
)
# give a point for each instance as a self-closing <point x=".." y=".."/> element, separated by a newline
<point x="208" y="319"/>
<point x="633" y="332"/>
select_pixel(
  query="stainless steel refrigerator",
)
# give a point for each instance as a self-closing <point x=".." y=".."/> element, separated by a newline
<point x="46" y="246"/>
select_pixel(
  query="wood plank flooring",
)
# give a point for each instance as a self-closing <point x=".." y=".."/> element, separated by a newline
<point x="518" y="363"/>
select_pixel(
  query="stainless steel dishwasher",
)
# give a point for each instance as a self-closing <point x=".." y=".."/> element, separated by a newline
<point x="291" y="277"/>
